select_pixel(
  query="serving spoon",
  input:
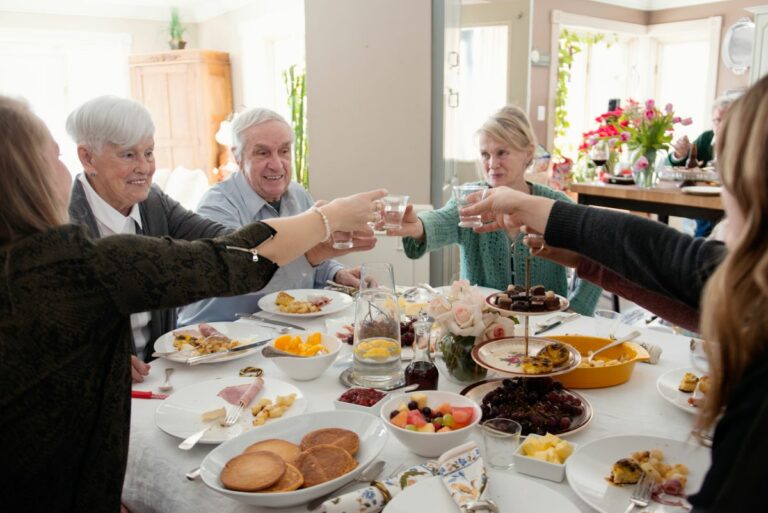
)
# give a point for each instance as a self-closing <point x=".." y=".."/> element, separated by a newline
<point x="630" y="336"/>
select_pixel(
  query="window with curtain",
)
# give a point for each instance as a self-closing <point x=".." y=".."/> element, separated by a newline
<point x="667" y="64"/>
<point x="56" y="71"/>
<point x="483" y="82"/>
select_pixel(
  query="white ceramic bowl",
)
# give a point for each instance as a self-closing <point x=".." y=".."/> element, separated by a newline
<point x="430" y="444"/>
<point x="370" y="429"/>
<point x="373" y="410"/>
<point x="539" y="468"/>
<point x="305" y="368"/>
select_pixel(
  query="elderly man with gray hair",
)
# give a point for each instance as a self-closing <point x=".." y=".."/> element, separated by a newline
<point x="262" y="189"/>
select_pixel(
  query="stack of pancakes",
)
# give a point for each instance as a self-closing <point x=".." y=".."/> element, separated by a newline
<point x="280" y="466"/>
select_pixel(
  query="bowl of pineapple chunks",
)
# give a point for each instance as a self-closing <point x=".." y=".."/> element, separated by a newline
<point x="543" y="456"/>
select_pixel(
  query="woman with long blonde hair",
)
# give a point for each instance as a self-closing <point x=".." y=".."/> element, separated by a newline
<point x="731" y="287"/>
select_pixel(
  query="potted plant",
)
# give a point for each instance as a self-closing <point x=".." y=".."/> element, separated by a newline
<point x="176" y="31"/>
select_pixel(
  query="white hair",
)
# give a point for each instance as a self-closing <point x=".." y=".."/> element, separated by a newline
<point x="245" y="120"/>
<point x="726" y="99"/>
<point x="111" y="119"/>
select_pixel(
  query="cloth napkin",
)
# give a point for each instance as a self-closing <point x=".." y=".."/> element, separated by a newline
<point x="371" y="499"/>
<point x="463" y="474"/>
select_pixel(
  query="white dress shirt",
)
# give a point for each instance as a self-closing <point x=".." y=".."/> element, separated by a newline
<point x="112" y="222"/>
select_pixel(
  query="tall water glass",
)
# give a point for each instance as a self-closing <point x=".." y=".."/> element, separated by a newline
<point x="461" y="194"/>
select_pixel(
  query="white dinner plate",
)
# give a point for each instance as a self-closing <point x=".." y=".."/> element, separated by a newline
<point x="339" y="301"/>
<point x="181" y="413"/>
<point x="245" y="333"/>
<point x="510" y="492"/>
<point x="370" y="429"/>
<point x="588" y="468"/>
<point x="702" y="190"/>
<point x="667" y="386"/>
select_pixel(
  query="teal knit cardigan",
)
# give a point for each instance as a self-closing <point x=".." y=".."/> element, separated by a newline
<point x="485" y="257"/>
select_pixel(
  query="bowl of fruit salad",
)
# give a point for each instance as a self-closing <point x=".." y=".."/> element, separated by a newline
<point x="430" y="422"/>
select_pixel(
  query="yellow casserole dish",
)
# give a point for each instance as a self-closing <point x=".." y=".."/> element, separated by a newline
<point x="599" y="377"/>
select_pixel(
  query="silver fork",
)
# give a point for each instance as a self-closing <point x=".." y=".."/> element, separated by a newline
<point x="233" y="415"/>
<point x="641" y="495"/>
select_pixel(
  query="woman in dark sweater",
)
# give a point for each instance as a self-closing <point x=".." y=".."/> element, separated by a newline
<point x="65" y="302"/>
<point x="735" y="292"/>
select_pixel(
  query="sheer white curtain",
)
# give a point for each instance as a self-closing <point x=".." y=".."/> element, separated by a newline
<point x="55" y="71"/>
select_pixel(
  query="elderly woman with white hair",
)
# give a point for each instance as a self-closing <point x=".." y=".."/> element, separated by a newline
<point x="115" y="195"/>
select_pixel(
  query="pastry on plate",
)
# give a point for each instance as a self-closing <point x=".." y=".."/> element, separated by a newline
<point x="688" y="383"/>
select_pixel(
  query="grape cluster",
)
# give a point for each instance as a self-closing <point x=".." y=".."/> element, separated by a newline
<point x="407" y="334"/>
<point x="540" y="405"/>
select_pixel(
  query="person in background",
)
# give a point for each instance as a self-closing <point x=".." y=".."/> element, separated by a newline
<point x="507" y="145"/>
<point x="734" y="299"/>
<point x="114" y="195"/>
<point x="705" y="144"/>
<point x="66" y="300"/>
<point x="263" y="189"/>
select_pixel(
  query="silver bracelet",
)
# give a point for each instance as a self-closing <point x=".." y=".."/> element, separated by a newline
<point x="325" y="222"/>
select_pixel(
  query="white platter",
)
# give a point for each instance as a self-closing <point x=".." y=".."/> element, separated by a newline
<point x="510" y="492"/>
<point x="245" y="333"/>
<point x="702" y="190"/>
<point x="667" y="386"/>
<point x="180" y="415"/>
<point x="371" y="430"/>
<point x="339" y="302"/>
<point x="588" y="468"/>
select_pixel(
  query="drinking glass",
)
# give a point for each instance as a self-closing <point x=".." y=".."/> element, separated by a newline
<point x="501" y="438"/>
<point x="461" y="194"/>
<point x="394" y="209"/>
<point x="606" y="322"/>
<point x="376" y="349"/>
<point x="599" y="155"/>
<point x="342" y="240"/>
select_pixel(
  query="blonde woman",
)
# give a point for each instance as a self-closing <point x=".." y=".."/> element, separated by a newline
<point x="65" y="305"/>
<point x="506" y="145"/>
<point x="734" y="283"/>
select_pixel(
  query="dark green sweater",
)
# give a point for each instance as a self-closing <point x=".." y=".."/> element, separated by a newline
<point x="704" y="150"/>
<point x="65" y="342"/>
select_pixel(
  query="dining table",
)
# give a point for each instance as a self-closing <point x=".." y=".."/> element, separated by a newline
<point x="155" y="480"/>
<point x="664" y="199"/>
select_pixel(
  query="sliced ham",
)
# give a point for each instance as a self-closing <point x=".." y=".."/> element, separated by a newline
<point x="318" y="301"/>
<point x="245" y="393"/>
<point x="209" y="331"/>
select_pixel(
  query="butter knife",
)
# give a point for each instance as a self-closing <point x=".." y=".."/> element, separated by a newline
<point x="212" y="356"/>
<point x="269" y="320"/>
<point x="557" y="323"/>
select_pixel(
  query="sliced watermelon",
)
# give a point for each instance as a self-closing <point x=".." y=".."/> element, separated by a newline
<point x="416" y="418"/>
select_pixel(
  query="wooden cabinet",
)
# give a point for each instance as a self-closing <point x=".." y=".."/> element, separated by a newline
<point x="189" y="93"/>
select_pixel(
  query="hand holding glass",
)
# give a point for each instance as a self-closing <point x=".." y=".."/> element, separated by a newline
<point x="394" y="208"/>
<point x="461" y="195"/>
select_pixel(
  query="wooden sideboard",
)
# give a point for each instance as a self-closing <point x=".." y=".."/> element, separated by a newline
<point x="189" y="93"/>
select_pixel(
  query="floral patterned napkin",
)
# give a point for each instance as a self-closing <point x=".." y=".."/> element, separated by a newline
<point x="372" y="499"/>
<point x="463" y="475"/>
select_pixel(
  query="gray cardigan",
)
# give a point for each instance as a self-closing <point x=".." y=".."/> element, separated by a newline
<point x="161" y="216"/>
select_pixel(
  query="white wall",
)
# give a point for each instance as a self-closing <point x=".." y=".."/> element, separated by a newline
<point x="146" y="36"/>
<point x="245" y="33"/>
<point x="368" y="93"/>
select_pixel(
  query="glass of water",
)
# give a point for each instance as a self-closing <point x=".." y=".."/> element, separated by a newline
<point x="393" y="210"/>
<point x="461" y="194"/>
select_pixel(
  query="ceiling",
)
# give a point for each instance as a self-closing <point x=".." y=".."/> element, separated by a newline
<point x="195" y="11"/>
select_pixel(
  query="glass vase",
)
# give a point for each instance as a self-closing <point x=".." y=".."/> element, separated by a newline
<point x="456" y="363"/>
<point x="645" y="178"/>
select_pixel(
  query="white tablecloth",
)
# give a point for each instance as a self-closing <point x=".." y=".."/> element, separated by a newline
<point x="155" y="480"/>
